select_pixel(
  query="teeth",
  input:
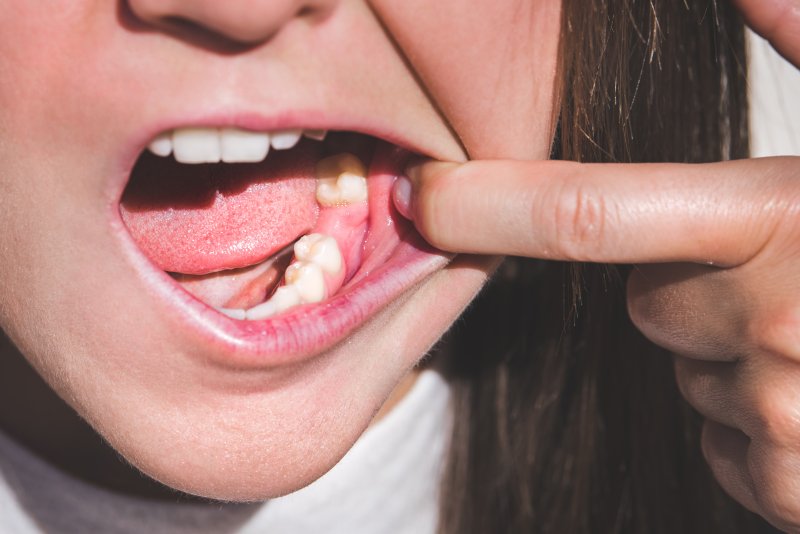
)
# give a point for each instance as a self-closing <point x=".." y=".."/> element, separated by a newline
<point x="352" y="187"/>
<point x="233" y="313"/>
<point x="196" y="145"/>
<point x="316" y="254"/>
<point x="239" y="146"/>
<point x="285" y="139"/>
<point x="305" y="284"/>
<point x="320" y="249"/>
<point x="316" y="135"/>
<point x="231" y="145"/>
<point x="161" y="145"/>
<point x="285" y="297"/>
<point x="341" y="180"/>
<point x="308" y="279"/>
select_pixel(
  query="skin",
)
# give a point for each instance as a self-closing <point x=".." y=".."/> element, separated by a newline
<point x="79" y="77"/>
<point x="62" y="286"/>
<point x="731" y="261"/>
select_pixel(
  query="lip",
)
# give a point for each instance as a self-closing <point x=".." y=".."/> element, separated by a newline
<point x="303" y="332"/>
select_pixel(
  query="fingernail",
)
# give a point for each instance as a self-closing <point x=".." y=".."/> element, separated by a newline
<point x="401" y="195"/>
<point x="403" y="189"/>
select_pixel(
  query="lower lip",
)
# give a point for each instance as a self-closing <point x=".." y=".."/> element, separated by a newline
<point x="304" y="332"/>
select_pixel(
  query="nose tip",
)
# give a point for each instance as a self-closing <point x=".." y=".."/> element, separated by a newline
<point x="244" y="21"/>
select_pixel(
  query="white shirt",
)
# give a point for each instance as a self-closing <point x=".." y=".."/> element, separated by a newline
<point x="387" y="483"/>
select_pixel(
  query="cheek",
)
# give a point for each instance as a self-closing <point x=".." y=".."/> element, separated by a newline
<point x="491" y="68"/>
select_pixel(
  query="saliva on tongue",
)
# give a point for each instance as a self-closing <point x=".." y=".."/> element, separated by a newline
<point x="225" y="231"/>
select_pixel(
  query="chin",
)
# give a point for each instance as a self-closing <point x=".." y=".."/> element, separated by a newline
<point x="252" y="434"/>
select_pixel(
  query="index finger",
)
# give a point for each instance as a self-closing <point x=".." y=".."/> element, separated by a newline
<point x="716" y="213"/>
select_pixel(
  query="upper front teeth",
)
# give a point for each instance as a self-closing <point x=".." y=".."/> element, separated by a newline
<point x="161" y="145"/>
<point x="285" y="139"/>
<point x="317" y="135"/>
<point x="241" y="146"/>
<point x="197" y="145"/>
<point x="231" y="145"/>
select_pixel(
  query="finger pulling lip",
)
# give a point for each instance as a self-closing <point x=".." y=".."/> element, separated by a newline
<point x="396" y="259"/>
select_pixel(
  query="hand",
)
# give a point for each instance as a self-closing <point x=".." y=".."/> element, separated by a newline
<point x="718" y="281"/>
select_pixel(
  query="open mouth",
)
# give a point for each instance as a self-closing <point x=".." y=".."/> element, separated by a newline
<point x="282" y="242"/>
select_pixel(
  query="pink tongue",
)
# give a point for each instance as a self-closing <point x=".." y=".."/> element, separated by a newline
<point x="197" y="219"/>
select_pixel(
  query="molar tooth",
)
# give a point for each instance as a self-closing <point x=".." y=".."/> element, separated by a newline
<point x="352" y="188"/>
<point x="328" y="192"/>
<point x="320" y="249"/>
<point x="333" y="166"/>
<point x="285" y="297"/>
<point x="341" y="180"/>
<point x="316" y="135"/>
<point x="196" y="145"/>
<point x="285" y="139"/>
<point x="161" y="145"/>
<point x="240" y="146"/>
<point x="308" y="279"/>
<point x="233" y="313"/>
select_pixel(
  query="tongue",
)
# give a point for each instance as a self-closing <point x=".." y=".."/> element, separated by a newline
<point x="197" y="219"/>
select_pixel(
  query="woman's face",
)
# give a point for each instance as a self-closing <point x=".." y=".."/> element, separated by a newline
<point x="221" y="407"/>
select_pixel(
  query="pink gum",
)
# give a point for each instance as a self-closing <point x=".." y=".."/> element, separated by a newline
<point x="348" y="226"/>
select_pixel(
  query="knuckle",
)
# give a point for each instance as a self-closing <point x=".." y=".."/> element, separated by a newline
<point x="778" y="412"/>
<point x="581" y="217"/>
<point x="779" y="333"/>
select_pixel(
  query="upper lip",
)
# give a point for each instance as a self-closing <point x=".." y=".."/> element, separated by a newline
<point x="243" y="347"/>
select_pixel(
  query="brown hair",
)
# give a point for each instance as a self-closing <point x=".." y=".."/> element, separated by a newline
<point x="566" y="419"/>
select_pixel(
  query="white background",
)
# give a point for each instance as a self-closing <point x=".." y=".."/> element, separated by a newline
<point x="774" y="101"/>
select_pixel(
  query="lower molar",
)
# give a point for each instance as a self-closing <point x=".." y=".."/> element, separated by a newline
<point x="318" y="269"/>
<point x="315" y="273"/>
<point x="284" y="298"/>
<point x="307" y="279"/>
<point x="320" y="249"/>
